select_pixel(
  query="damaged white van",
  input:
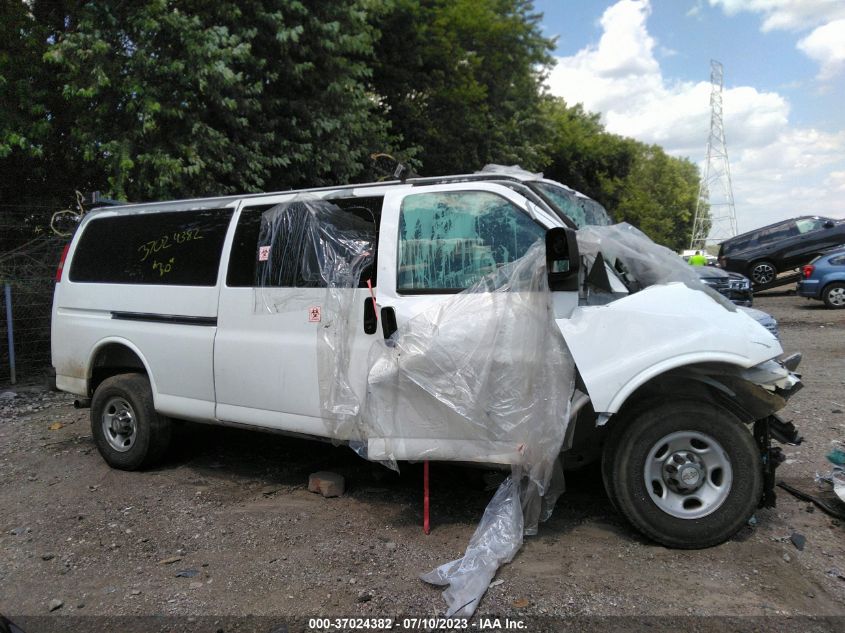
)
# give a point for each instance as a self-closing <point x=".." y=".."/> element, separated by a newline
<point x="300" y="312"/>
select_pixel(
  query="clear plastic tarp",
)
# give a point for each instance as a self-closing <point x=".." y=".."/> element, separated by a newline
<point x="510" y="170"/>
<point x="310" y="243"/>
<point x="639" y="261"/>
<point x="486" y="370"/>
<point x="483" y="375"/>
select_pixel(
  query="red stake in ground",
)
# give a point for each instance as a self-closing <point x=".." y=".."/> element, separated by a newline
<point x="426" y="522"/>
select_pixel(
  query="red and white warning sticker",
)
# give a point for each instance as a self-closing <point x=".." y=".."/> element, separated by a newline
<point x="314" y="314"/>
<point x="263" y="253"/>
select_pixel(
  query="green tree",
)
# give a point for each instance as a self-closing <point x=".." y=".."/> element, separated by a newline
<point x="660" y="195"/>
<point x="637" y="183"/>
<point x="460" y="80"/>
<point x="581" y="154"/>
<point x="166" y="98"/>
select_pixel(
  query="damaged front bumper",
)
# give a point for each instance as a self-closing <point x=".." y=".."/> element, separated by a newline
<point x="778" y="378"/>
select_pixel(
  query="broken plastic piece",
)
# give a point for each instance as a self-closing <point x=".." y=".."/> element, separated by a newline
<point x="495" y="542"/>
<point x="823" y="505"/>
<point x="643" y="262"/>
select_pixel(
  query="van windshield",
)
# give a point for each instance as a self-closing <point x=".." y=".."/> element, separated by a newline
<point x="580" y="209"/>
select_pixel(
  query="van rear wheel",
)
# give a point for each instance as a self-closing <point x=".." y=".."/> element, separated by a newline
<point x="686" y="474"/>
<point x="127" y="430"/>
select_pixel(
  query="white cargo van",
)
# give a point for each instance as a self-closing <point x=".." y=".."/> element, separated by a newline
<point x="154" y="317"/>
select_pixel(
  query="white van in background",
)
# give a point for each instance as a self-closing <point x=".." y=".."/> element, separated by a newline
<point x="154" y="317"/>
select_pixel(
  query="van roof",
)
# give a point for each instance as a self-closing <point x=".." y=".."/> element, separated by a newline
<point x="506" y="174"/>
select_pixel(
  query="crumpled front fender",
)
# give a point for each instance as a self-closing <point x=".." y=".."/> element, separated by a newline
<point x="623" y="345"/>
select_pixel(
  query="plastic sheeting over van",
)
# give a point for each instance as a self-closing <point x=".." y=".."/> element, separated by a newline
<point x="306" y="243"/>
<point x="639" y="261"/>
<point x="486" y="368"/>
<point x="485" y="372"/>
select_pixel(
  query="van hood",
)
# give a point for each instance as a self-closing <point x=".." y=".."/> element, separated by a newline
<point x="619" y="346"/>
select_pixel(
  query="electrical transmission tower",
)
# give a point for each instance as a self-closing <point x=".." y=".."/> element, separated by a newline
<point x="715" y="215"/>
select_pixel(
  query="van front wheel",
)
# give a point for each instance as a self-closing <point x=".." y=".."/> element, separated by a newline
<point x="686" y="474"/>
<point x="127" y="430"/>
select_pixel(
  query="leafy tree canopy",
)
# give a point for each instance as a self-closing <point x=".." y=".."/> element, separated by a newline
<point x="156" y="99"/>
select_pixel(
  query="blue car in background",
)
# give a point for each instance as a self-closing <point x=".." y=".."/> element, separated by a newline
<point x="824" y="279"/>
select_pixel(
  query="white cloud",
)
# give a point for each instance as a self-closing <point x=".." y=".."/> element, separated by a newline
<point x="786" y="14"/>
<point x="836" y="181"/>
<point x="776" y="168"/>
<point x="826" y="45"/>
<point x="695" y="10"/>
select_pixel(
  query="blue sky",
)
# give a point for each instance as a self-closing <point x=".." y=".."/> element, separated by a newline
<point x="644" y="66"/>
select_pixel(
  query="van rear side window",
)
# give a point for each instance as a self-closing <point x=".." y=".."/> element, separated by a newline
<point x="243" y="260"/>
<point x="180" y="248"/>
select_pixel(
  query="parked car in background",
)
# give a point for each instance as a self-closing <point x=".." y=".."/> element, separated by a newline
<point x="824" y="279"/>
<point x="763" y="253"/>
<point x="734" y="286"/>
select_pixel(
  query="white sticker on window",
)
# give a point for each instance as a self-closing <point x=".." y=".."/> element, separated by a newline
<point x="314" y="314"/>
<point x="263" y="253"/>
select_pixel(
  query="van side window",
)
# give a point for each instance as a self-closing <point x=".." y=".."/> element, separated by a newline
<point x="177" y="248"/>
<point x="449" y="241"/>
<point x="244" y="258"/>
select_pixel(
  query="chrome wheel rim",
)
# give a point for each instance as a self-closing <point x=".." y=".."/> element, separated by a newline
<point x="119" y="424"/>
<point x="763" y="273"/>
<point x="688" y="474"/>
<point x="836" y="297"/>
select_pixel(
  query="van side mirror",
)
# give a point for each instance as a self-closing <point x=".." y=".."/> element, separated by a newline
<point x="828" y="224"/>
<point x="562" y="257"/>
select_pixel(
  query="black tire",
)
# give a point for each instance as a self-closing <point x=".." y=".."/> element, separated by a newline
<point x="625" y="461"/>
<point x="607" y="477"/>
<point x="147" y="443"/>
<point x="762" y="272"/>
<point x="617" y="425"/>
<point x="833" y="295"/>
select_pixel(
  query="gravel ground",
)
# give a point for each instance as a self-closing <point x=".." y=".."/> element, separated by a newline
<point x="227" y="526"/>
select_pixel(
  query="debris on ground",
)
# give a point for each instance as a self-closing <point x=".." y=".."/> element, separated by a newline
<point x="170" y="560"/>
<point x="326" y="483"/>
<point x="798" y="540"/>
<point x="55" y="604"/>
<point x="187" y="573"/>
<point x="831" y="507"/>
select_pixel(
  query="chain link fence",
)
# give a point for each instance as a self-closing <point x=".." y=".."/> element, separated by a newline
<point x="29" y="254"/>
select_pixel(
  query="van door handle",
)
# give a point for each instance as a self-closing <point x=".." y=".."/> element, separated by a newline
<point x="388" y="322"/>
<point x="370" y="320"/>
